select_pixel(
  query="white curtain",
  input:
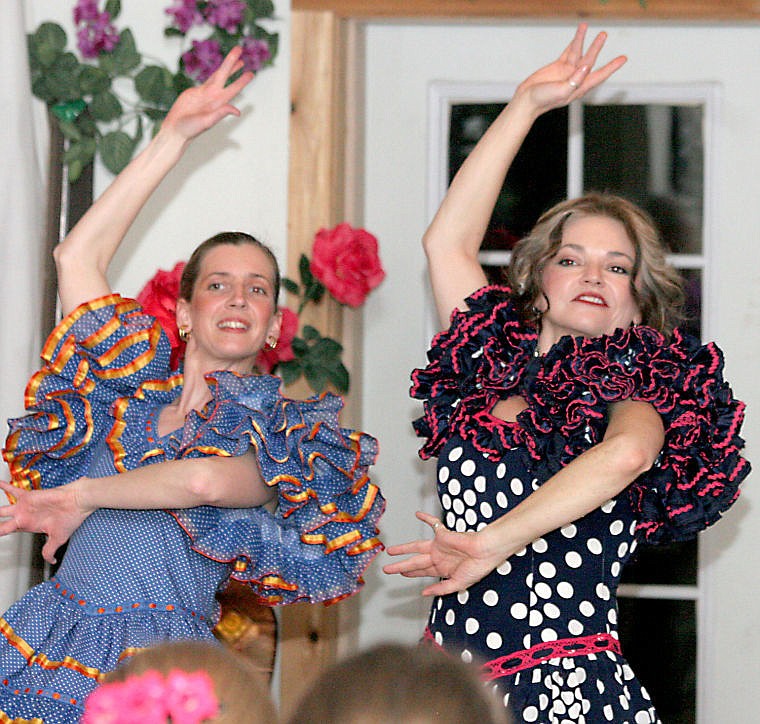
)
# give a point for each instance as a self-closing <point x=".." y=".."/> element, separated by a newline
<point x="21" y="236"/>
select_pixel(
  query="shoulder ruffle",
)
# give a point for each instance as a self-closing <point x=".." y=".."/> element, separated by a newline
<point x="324" y="533"/>
<point x="479" y="358"/>
<point x="486" y="355"/>
<point x="103" y="350"/>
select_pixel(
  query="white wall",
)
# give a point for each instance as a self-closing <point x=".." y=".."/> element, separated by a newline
<point x="396" y="119"/>
<point x="233" y="178"/>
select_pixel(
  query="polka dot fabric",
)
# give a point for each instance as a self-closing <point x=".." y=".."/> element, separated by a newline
<point x="130" y="579"/>
<point x="558" y="590"/>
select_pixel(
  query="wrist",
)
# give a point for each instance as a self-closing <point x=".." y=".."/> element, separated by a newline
<point x="83" y="495"/>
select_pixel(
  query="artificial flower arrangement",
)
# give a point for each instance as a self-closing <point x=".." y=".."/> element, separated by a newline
<point x="345" y="263"/>
<point x="105" y="100"/>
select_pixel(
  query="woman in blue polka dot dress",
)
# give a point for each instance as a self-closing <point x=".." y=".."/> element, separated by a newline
<point x="167" y="485"/>
<point x="569" y="418"/>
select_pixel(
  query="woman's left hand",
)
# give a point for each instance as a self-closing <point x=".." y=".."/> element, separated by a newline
<point x="55" y="512"/>
<point x="460" y="559"/>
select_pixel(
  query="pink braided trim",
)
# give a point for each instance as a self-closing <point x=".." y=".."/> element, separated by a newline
<point x="528" y="658"/>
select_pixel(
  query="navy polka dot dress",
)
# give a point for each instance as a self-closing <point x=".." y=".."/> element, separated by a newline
<point x="130" y="579"/>
<point x="543" y="625"/>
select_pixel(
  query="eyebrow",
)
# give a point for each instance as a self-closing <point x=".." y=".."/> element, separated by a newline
<point x="254" y="275"/>
<point x="578" y="247"/>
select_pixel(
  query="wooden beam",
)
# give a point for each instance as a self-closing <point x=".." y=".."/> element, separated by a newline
<point x="716" y="10"/>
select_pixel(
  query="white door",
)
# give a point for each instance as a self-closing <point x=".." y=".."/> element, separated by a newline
<point x="402" y="187"/>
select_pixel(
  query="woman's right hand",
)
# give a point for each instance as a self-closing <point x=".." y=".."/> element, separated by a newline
<point x="55" y="512"/>
<point x="569" y="77"/>
<point x="199" y="108"/>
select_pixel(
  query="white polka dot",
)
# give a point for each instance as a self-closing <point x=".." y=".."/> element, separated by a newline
<point x="547" y="570"/>
<point x="504" y="568"/>
<point x="446" y="501"/>
<point x="455" y="487"/>
<point x="642" y="717"/>
<point x="634" y="543"/>
<point x="535" y="484"/>
<point x="490" y="598"/>
<point x="530" y="713"/>
<point x="451" y="519"/>
<point x="466" y="657"/>
<point x="439" y="603"/>
<point x="544" y="590"/>
<point x="521" y="552"/>
<point x="501" y="470"/>
<point x="481" y="525"/>
<point x="532" y="599"/>
<point x="519" y="611"/>
<point x="622" y="550"/>
<point x="575" y="627"/>
<point x="455" y="454"/>
<point x="535" y="618"/>
<point x="469" y="497"/>
<point x="551" y="611"/>
<point x="470" y="516"/>
<point x="480" y="484"/>
<point x="463" y="597"/>
<point x="573" y="559"/>
<point x="458" y="506"/>
<point x="548" y="634"/>
<point x="501" y="500"/>
<point x="467" y="468"/>
<point x="594" y="545"/>
<point x="486" y="510"/>
<point x="616" y="527"/>
<point x="608" y="506"/>
<point x="439" y="638"/>
<point x="443" y="474"/>
<point x="565" y="589"/>
<point x="603" y="592"/>
<point x="615" y="569"/>
<point x="529" y="580"/>
<point x="450" y="617"/>
<point x="493" y="640"/>
<point x="471" y="626"/>
<point x="608" y="715"/>
<point x="569" y="531"/>
<point x="516" y="486"/>
<point x="460" y="526"/>
<point x="539" y="545"/>
<point x="586" y="608"/>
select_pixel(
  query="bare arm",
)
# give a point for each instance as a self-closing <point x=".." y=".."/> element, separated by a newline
<point x="633" y="439"/>
<point x="83" y="257"/>
<point x="226" y="482"/>
<point x="454" y="236"/>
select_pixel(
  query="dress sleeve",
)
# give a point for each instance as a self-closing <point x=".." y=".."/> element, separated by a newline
<point x="697" y="474"/>
<point x="103" y="350"/>
<point x="324" y="532"/>
<point x="480" y="357"/>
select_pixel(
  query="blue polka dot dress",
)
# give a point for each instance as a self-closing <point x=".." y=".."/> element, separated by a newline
<point x="130" y="579"/>
<point x="542" y="626"/>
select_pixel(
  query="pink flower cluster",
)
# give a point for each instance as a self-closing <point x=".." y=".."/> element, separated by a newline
<point x="95" y="31"/>
<point x="152" y="698"/>
<point x="205" y="56"/>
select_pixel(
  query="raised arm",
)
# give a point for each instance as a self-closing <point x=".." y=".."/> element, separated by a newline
<point x="226" y="482"/>
<point x="453" y="238"/>
<point x="82" y="258"/>
<point x="633" y="439"/>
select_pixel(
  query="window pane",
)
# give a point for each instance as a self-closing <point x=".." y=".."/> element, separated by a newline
<point x="674" y="564"/>
<point x="693" y="308"/>
<point x="659" y="640"/>
<point x="537" y="178"/>
<point x="653" y="155"/>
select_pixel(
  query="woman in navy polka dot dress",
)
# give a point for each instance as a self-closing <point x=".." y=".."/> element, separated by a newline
<point x="569" y="418"/>
<point x="164" y="482"/>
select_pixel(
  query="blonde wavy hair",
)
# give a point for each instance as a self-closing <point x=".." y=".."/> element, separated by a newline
<point x="656" y="286"/>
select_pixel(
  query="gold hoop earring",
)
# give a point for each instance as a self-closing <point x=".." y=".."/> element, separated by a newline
<point x="184" y="333"/>
<point x="272" y="345"/>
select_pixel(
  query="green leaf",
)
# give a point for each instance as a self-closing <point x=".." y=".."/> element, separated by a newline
<point x="290" y="286"/>
<point x="304" y="269"/>
<point x="116" y="149"/>
<point x="68" y="112"/>
<point x="182" y="82"/>
<point x="83" y="150"/>
<point x="155" y="114"/>
<point x="289" y="371"/>
<point x="326" y="348"/>
<point x="105" y="107"/>
<point x="261" y="8"/>
<point x="310" y="334"/>
<point x="316" y="377"/>
<point x="173" y="32"/>
<point x="93" y="80"/>
<point x="69" y="130"/>
<point x="300" y="348"/>
<point x="340" y="378"/>
<point x="124" y="56"/>
<point x="113" y="8"/>
<point x="62" y="80"/>
<point x="47" y="43"/>
<point x="155" y="85"/>
<point x="75" y="170"/>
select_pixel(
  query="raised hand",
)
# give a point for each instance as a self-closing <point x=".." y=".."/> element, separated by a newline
<point x="460" y="559"/>
<point x="55" y="512"/>
<point x="198" y="109"/>
<point x="569" y="77"/>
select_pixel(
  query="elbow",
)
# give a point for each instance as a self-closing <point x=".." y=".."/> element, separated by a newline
<point x="634" y="454"/>
<point x="201" y="486"/>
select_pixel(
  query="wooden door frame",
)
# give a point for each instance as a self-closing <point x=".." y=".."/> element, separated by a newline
<point x="325" y="188"/>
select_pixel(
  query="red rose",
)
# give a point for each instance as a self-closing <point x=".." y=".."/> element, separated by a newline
<point x="345" y="260"/>
<point x="268" y="359"/>
<point x="159" y="299"/>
